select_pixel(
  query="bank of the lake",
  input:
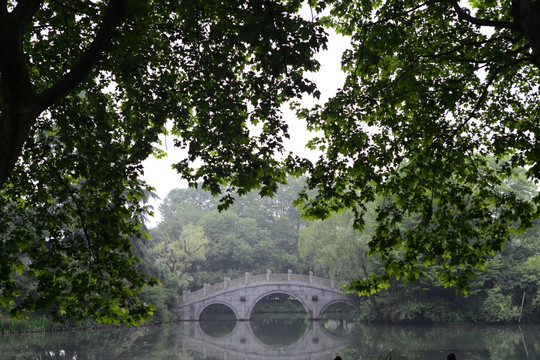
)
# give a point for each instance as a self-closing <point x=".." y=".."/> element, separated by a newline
<point x="40" y="323"/>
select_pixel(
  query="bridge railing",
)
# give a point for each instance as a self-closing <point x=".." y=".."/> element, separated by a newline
<point x="249" y="279"/>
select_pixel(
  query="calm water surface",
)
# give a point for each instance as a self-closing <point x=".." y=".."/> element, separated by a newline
<point x="278" y="337"/>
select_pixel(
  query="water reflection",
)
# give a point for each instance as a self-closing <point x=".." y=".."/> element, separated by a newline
<point x="298" y="340"/>
<point x="218" y="328"/>
<point x="434" y="342"/>
<point x="217" y="320"/>
<point x="279" y="329"/>
<point x="338" y="326"/>
<point x="337" y="321"/>
<point x="188" y="341"/>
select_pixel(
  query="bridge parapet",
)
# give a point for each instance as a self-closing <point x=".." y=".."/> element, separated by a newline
<point x="249" y="279"/>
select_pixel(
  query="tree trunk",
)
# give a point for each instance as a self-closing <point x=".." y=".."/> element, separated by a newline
<point x="19" y="102"/>
<point x="527" y="15"/>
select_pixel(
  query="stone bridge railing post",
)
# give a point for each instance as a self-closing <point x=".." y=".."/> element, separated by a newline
<point x="185" y="294"/>
<point x="247" y="277"/>
<point x="205" y="285"/>
<point x="332" y="283"/>
<point x="289" y="273"/>
<point x="311" y="277"/>
<point x="268" y="272"/>
<point x="225" y="282"/>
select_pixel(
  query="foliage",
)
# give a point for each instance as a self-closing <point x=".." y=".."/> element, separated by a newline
<point x="495" y="295"/>
<point x="498" y="307"/>
<point x="253" y="235"/>
<point x="332" y="248"/>
<point x="164" y="300"/>
<point x="437" y="113"/>
<point x="41" y="323"/>
<point x="435" y="118"/>
<point x="85" y="90"/>
<point x="178" y="255"/>
<point x="335" y="248"/>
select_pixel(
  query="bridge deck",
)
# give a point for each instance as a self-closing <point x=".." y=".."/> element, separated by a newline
<point x="253" y="280"/>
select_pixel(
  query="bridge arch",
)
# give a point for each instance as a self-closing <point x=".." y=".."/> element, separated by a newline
<point x="338" y="301"/>
<point x="286" y="292"/>
<point x="216" y="302"/>
<point x="241" y="294"/>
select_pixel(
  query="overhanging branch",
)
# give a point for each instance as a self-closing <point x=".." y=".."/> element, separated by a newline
<point x="463" y="14"/>
<point x="114" y="15"/>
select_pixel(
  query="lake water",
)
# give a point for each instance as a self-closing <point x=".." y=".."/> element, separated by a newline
<point x="278" y="337"/>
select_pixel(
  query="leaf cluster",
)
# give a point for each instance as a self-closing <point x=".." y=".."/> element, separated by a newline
<point x="435" y="117"/>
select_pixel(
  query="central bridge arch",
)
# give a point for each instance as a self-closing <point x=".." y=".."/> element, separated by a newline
<point x="242" y="294"/>
<point x="261" y="296"/>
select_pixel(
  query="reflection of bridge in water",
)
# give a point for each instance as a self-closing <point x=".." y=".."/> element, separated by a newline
<point x="242" y="294"/>
<point x="242" y="344"/>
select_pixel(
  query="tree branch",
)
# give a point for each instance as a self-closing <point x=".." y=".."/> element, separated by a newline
<point x="77" y="11"/>
<point x="24" y="12"/>
<point x="399" y="15"/>
<point x="114" y="15"/>
<point x="465" y="15"/>
<point x="483" y="95"/>
<point x="278" y="38"/>
<point x="527" y="16"/>
<point x="3" y="9"/>
<point x="476" y="44"/>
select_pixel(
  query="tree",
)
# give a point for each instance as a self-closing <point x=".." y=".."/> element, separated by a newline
<point x="186" y="205"/>
<point x="336" y="249"/>
<point x="253" y="235"/>
<point x="85" y="90"/>
<point x="434" y="91"/>
<point x="179" y="255"/>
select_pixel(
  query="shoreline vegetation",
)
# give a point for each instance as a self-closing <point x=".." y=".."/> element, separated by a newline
<point x="37" y="324"/>
<point x="42" y="324"/>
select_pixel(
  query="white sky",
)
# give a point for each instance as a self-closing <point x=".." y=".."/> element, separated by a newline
<point x="160" y="174"/>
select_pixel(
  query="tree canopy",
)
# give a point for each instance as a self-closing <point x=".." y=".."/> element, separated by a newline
<point x="438" y="112"/>
<point x="85" y="89"/>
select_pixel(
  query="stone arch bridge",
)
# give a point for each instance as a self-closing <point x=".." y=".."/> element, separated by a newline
<point x="242" y="294"/>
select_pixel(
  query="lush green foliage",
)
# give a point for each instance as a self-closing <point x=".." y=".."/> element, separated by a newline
<point x="495" y="294"/>
<point x="255" y="234"/>
<point x="437" y="115"/>
<point x="41" y="323"/>
<point x="431" y="89"/>
<point x="250" y="237"/>
<point x="85" y="89"/>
